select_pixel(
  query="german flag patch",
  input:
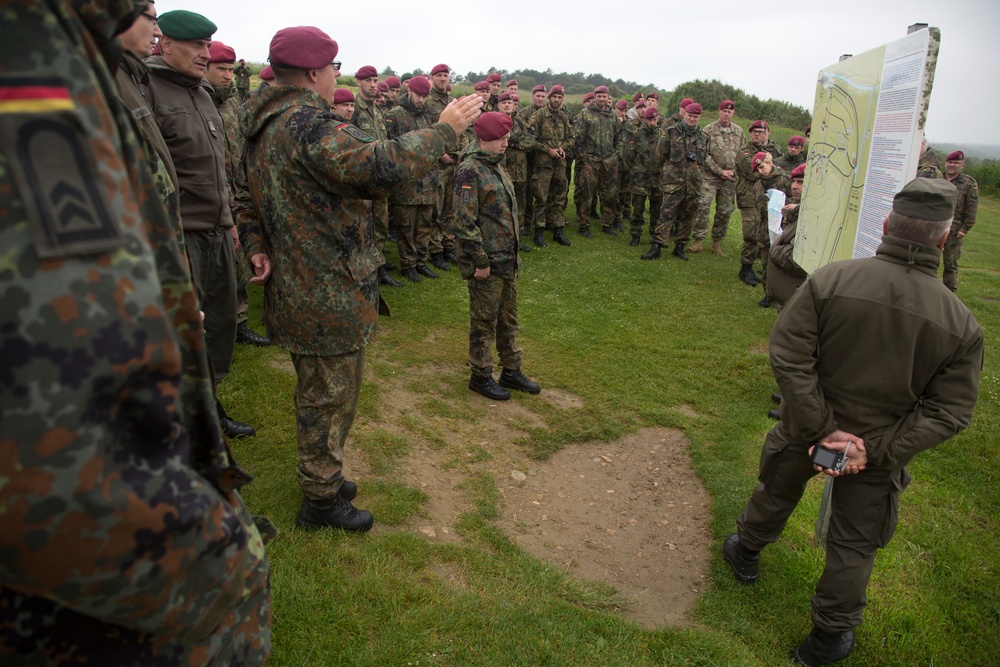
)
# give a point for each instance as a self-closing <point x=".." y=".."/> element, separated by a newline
<point x="34" y="95"/>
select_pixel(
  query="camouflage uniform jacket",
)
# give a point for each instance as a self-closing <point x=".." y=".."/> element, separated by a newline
<point x="674" y="153"/>
<point x="485" y="216"/>
<point x="242" y="74"/>
<point x="597" y="136"/>
<point x="745" y="177"/>
<point x="370" y="119"/>
<point x="966" y="204"/>
<point x="640" y="155"/>
<point x="421" y="190"/>
<point x="525" y="113"/>
<point x="123" y="540"/>
<point x="930" y="165"/>
<point x="516" y="158"/>
<point x="550" y="129"/>
<point x="436" y="103"/>
<point x="776" y="180"/>
<point x="789" y="162"/>
<point x="228" y="105"/>
<point x="309" y="180"/>
<point x="194" y="133"/>
<point x="726" y="145"/>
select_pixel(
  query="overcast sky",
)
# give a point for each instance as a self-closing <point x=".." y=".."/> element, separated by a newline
<point x="772" y="49"/>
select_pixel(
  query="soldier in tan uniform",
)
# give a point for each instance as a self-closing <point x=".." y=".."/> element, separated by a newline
<point x="720" y="179"/>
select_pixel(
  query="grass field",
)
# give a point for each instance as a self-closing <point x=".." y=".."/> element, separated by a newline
<point x="634" y="341"/>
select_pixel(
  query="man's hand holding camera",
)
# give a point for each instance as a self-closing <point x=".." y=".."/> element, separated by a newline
<point x="840" y="453"/>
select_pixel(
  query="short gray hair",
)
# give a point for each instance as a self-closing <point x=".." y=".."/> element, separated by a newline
<point x="926" y="232"/>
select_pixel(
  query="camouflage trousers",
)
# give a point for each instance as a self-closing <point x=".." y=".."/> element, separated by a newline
<point x="548" y="187"/>
<point x="212" y="258"/>
<point x="677" y="215"/>
<point x="763" y="243"/>
<point x="624" y="211"/>
<point x="952" y="253"/>
<point x="442" y="238"/>
<point x="521" y="195"/>
<point x="751" y="219"/>
<point x="493" y="321"/>
<point x="529" y="204"/>
<point x="723" y="193"/>
<point x="599" y="182"/>
<point x="380" y="223"/>
<point x="326" y="401"/>
<point x="639" y="211"/>
<point x="414" y="225"/>
<point x="243" y="276"/>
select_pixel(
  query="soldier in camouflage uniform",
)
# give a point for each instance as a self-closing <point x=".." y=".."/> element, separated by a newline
<point x="493" y="102"/>
<point x="412" y="204"/>
<point x="930" y="162"/>
<point x="784" y="276"/>
<point x="124" y="536"/>
<point x="769" y="177"/>
<point x="624" y="210"/>
<point x="966" y="207"/>
<point x="487" y="232"/>
<point x="551" y="131"/>
<point x="442" y="242"/>
<point x="644" y="175"/>
<point x="746" y="198"/>
<point x="515" y="160"/>
<point x="720" y="179"/>
<point x="304" y="212"/>
<point x="242" y="73"/>
<point x="795" y="156"/>
<point x="680" y="154"/>
<point x="653" y="100"/>
<point x="582" y="179"/>
<point x="536" y="102"/>
<point x="597" y="138"/>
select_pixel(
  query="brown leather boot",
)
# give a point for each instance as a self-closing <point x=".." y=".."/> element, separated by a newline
<point x="694" y="248"/>
<point x="717" y="248"/>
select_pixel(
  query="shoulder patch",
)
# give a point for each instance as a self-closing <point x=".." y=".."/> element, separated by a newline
<point x="355" y="132"/>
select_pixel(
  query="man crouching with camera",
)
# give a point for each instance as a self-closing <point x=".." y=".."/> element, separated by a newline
<point x="877" y="361"/>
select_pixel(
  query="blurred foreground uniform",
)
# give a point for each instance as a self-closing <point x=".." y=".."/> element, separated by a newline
<point x="124" y="540"/>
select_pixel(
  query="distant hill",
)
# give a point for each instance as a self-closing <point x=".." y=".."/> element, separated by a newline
<point x="972" y="151"/>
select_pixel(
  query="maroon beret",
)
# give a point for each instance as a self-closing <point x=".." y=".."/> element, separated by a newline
<point x="621" y="104"/>
<point x="693" y="108"/>
<point x="637" y="96"/>
<point x="957" y="156"/>
<point x="799" y="172"/>
<point x="504" y="97"/>
<point x="440" y="68"/>
<point x="220" y="53"/>
<point x="651" y="112"/>
<point x="641" y="104"/>
<point x="602" y="89"/>
<point x="512" y="82"/>
<point x="365" y="72"/>
<point x="494" y="78"/>
<point x="492" y="125"/>
<point x="556" y="90"/>
<point x="267" y="74"/>
<point x="653" y="95"/>
<point x="302" y="47"/>
<point x="808" y="129"/>
<point x="342" y="95"/>
<point x="420" y="85"/>
<point x="727" y="104"/>
<point x="796" y="140"/>
<point x="393" y="81"/>
<point x="759" y="125"/>
<point x="383" y="87"/>
<point x="481" y="85"/>
<point x="538" y="89"/>
<point x="757" y="160"/>
<point x="686" y="101"/>
<point x="588" y="97"/>
<point x="514" y="97"/>
<point x="448" y="89"/>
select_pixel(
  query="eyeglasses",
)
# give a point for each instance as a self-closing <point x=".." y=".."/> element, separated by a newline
<point x="336" y="64"/>
<point x="151" y="17"/>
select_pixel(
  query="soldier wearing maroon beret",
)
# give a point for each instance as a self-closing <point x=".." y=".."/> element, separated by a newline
<point x="795" y="155"/>
<point x="755" y="234"/>
<point x="343" y="105"/>
<point x="720" y="179"/>
<point x="441" y="243"/>
<point x="784" y="276"/>
<point x="551" y="129"/>
<point x="488" y="245"/>
<point x="304" y="204"/>
<point x="966" y="207"/>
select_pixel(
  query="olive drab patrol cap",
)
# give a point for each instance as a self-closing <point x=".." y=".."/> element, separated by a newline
<point x="926" y="199"/>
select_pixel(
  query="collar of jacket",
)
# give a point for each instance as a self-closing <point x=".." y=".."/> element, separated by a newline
<point x="408" y="105"/>
<point x="157" y="65"/>
<point x="911" y="254"/>
<point x="484" y="156"/>
<point x="274" y="101"/>
<point x="134" y="67"/>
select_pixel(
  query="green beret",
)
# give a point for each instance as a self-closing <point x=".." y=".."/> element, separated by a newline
<point x="926" y="199"/>
<point x="182" y="24"/>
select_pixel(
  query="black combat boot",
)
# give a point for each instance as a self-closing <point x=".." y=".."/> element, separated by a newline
<point x="619" y="227"/>
<point x="746" y="274"/>
<point x="540" y="238"/>
<point x="774" y="413"/>
<point x="426" y="271"/>
<point x="635" y="241"/>
<point x="610" y="231"/>
<point x="776" y="397"/>
<point x="348" y="490"/>
<point x="559" y="237"/>
<point x="333" y="512"/>
<point x="822" y="648"/>
<point x="523" y="246"/>
<point x="248" y="336"/>
<point x="765" y="302"/>
<point x="389" y="266"/>
<point x="231" y="427"/>
<point x="487" y="386"/>
<point x="654" y="251"/>
<point x="385" y="279"/>
<point x="585" y="232"/>
<point x="451" y="257"/>
<point x="411" y="275"/>
<point x="438" y="260"/>
<point x="517" y="380"/>
<point x="743" y="561"/>
<point x="679" y="251"/>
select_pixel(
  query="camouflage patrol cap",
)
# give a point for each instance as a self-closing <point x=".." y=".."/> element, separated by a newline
<point x="796" y="140"/>
<point x="538" y="89"/>
<point x="492" y="125"/>
<point x="365" y="72"/>
<point x="182" y="24"/>
<point x="926" y="199"/>
<point x="799" y="173"/>
<point x="957" y="156"/>
<point x="494" y="78"/>
<point x="727" y="105"/>
<point x="220" y="53"/>
<point x="440" y="68"/>
<point x="302" y="47"/>
<point x="393" y="82"/>
<point x="420" y="85"/>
